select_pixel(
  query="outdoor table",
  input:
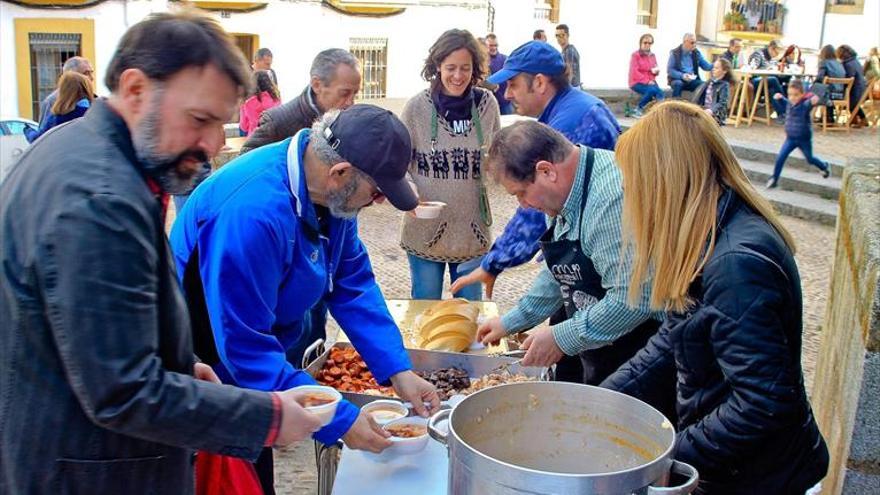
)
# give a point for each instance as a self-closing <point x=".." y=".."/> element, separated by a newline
<point x="741" y="95"/>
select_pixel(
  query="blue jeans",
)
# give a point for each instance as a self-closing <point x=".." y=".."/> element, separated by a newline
<point x="679" y="85"/>
<point x="774" y="86"/>
<point x="649" y="92"/>
<point x="427" y="279"/>
<point x="806" y="146"/>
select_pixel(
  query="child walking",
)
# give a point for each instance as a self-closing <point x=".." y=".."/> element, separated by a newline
<point x="798" y="130"/>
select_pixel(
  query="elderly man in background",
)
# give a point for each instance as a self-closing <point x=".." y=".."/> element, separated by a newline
<point x="100" y="385"/>
<point x="263" y="61"/>
<point x="75" y="64"/>
<point x="683" y="68"/>
<point x="335" y="81"/>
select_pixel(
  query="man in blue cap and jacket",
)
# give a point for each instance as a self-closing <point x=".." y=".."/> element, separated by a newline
<point x="274" y="232"/>
<point x="538" y="86"/>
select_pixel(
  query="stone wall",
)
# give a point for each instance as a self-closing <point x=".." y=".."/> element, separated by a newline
<point x="846" y="391"/>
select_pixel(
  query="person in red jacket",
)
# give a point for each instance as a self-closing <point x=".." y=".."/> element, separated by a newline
<point x="265" y="97"/>
<point x="643" y="72"/>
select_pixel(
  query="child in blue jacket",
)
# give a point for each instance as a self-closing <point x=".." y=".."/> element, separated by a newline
<point x="798" y="130"/>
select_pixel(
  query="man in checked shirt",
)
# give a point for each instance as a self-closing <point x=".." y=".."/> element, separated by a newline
<point x="579" y="189"/>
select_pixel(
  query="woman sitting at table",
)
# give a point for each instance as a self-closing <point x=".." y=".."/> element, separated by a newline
<point x="829" y="66"/>
<point x="723" y="269"/>
<point x="853" y="69"/>
<point x="765" y="59"/>
<point x="713" y="96"/>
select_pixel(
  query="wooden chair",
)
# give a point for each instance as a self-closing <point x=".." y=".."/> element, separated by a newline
<point x="741" y="101"/>
<point x="842" y="112"/>
<point x="869" y="106"/>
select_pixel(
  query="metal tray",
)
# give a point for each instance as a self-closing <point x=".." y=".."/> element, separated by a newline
<point x="476" y="365"/>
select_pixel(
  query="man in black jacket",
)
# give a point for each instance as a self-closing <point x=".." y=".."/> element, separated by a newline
<point x="101" y="392"/>
<point x="335" y="81"/>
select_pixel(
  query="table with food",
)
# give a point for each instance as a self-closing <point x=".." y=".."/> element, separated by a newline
<point x="503" y="428"/>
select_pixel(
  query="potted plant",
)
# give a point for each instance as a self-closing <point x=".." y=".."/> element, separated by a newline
<point x="740" y="21"/>
<point x="773" y="27"/>
<point x="728" y="21"/>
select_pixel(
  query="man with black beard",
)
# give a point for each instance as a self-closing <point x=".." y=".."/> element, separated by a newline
<point x="273" y="233"/>
<point x="101" y="392"/>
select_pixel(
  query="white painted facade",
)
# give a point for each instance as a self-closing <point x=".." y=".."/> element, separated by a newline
<point x="605" y="33"/>
<point x="295" y="30"/>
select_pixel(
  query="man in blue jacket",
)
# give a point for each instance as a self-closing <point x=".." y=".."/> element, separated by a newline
<point x="274" y="232"/>
<point x="683" y="68"/>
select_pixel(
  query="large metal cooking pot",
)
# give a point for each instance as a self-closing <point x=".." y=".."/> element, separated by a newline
<point x="558" y="438"/>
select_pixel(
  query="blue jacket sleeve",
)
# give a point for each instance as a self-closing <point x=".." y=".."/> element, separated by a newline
<point x="671" y="70"/>
<point x="598" y="129"/>
<point x="242" y="260"/>
<point x="357" y="304"/>
<point x="704" y="64"/>
<point x="518" y="243"/>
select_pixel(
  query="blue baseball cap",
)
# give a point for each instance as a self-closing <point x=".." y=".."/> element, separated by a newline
<point x="534" y="57"/>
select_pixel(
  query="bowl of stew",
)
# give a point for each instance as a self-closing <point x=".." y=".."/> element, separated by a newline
<point x="319" y="400"/>
<point x="384" y="411"/>
<point x="408" y="435"/>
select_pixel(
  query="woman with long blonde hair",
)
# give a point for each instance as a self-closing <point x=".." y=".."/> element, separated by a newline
<point x="723" y="269"/>
<point x="75" y="96"/>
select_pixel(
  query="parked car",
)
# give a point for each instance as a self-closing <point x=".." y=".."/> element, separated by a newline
<point x="12" y="142"/>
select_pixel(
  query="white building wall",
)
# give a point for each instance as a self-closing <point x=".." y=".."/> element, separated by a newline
<point x="858" y="31"/>
<point x="297" y="31"/>
<point x="111" y="18"/>
<point x="606" y="34"/>
<point x="294" y="30"/>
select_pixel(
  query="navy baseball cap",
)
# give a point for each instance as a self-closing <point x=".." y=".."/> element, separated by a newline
<point x="376" y="142"/>
<point x="534" y="57"/>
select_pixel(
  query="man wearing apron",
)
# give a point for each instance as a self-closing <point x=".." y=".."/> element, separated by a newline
<point x="584" y="278"/>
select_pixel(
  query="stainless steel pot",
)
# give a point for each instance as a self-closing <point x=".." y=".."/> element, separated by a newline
<point x="558" y="438"/>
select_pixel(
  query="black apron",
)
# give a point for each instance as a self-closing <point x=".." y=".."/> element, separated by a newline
<point x="581" y="287"/>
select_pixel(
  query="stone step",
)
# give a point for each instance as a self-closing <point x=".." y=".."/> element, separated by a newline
<point x="793" y="179"/>
<point x="760" y="152"/>
<point x="800" y="205"/>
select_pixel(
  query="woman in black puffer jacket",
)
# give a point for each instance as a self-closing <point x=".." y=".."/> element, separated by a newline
<point x="724" y="270"/>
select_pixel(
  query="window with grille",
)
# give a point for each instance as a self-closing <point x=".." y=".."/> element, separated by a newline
<point x="372" y="53"/>
<point x="49" y="51"/>
<point x="646" y="14"/>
